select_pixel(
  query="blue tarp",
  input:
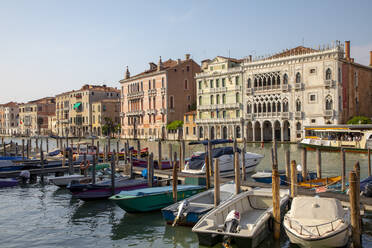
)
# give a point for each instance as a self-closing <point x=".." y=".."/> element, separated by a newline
<point x="213" y="142"/>
<point x="197" y="162"/>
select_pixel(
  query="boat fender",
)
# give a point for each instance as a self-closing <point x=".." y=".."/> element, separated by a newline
<point x="84" y="167"/>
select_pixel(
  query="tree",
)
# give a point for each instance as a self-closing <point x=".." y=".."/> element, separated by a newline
<point x="109" y="127"/>
<point x="174" y="125"/>
<point x="359" y="120"/>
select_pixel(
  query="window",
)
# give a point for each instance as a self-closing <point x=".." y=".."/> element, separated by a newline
<point x="298" y="78"/>
<point x="224" y="114"/>
<point x="154" y="102"/>
<point x="298" y="105"/>
<point x="162" y="82"/>
<point x="285" y="105"/>
<point x="149" y="84"/>
<point x="217" y="83"/>
<point x="313" y="121"/>
<point x="356" y="79"/>
<point x="329" y="103"/>
<point x="223" y="98"/>
<point x="312" y="97"/>
<point x="193" y="130"/>
<point x="187" y="130"/>
<point x="186" y="86"/>
<point x="141" y="86"/>
<point x="211" y="83"/>
<point x="171" y="100"/>
<point x="200" y="85"/>
<point x="285" y="79"/>
<point x="249" y="83"/>
<point x="153" y="84"/>
<point x="200" y="100"/>
<point x="237" y="80"/>
<point x="328" y="74"/>
<point x="237" y="113"/>
<point x="223" y="82"/>
<point x="218" y="99"/>
<point x="298" y="126"/>
<point x="312" y="71"/>
<point x="237" y="97"/>
<point x="212" y="99"/>
<point x="187" y="68"/>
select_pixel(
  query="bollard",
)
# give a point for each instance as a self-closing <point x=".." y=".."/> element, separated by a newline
<point x="113" y="174"/>
<point x="318" y="163"/>
<point x="293" y="179"/>
<point x="216" y="175"/>
<point x="354" y="209"/>
<point x="237" y="173"/>
<point x="244" y="175"/>
<point x="343" y="170"/>
<point x="304" y="164"/>
<point x="175" y="179"/>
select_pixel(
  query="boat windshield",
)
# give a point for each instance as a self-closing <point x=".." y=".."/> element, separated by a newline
<point x="337" y="135"/>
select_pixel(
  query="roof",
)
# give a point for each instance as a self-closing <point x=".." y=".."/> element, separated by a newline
<point x="293" y="51"/>
<point x="232" y="59"/>
<point x="10" y="104"/>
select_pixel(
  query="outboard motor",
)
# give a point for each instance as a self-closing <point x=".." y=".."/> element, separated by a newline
<point x="182" y="207"/>
<point x="231" y="225"/>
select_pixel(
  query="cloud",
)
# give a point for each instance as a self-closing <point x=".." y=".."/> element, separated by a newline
<point x="361" y="53"/>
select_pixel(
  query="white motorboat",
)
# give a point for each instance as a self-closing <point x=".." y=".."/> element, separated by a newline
<point x="252" y="210"/>
<point x="196" y="164"/>
<point x="63" y="181"/>
<point x="317" y="222"/>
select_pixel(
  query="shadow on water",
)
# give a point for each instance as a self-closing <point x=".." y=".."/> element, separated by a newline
<point x="92" y="209"/>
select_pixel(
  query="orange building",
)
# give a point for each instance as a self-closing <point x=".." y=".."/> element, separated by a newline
<point x="189" y="126"/>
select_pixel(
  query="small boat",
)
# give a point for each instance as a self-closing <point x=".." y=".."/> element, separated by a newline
<point x="320" y="182"/>
<point x="366" y="186"/>
<point x="103" y="190"/>
<point x="196" y="164"/>
<point x="266" y="177"/>
<point x="317" y="222"/>
<point x="8" y="182"/>
<point x="155" y="198"/>
<point x="189" y="212"/>
<point x="244" y="219"/>
<point x="165" y="165"/>
<point x="63" y="181"/>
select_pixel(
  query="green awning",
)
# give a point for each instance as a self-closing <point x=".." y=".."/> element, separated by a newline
<point x="76" y="105"/>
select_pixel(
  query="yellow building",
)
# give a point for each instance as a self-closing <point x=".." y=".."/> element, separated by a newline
<point x="104" y="112"/>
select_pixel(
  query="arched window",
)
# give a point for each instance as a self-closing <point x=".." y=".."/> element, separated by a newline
<point x="200" y="100"/>
<point x="249" y="83"/>
<point x="298" y="77"/>
<point x="264" y="81"/>
<point x="200" y="132"/>
<point x="255" y="108"/>
<point x="264" y="107"/>
<point x="269" y="81"/>
<point x="249" y="108"/>
<point x="298" y="126"/>
<point x="329" y="103"/>
<point x="218" y="99"/>
<point x="298" y="105"/>
<point x="255" y="82"/>
<point x="285" y="78"/>
<point x="259" y="108"/>
<point x="278" y="105"/>
<point x="223" y="98"/>
<point x="260" y="82"/>
<point x="285" y="105"/>
<point x="237" y="130"/>
<point x="328" y="74"/>
<point x="237" y="97"/>
<point x="212" y="99"/>
<point x="268" y="107"/>
<point x="273" y="80"/>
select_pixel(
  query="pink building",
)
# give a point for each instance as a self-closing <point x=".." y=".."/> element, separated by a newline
<point x="156" y="97"/>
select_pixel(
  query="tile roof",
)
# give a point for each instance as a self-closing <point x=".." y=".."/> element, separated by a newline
<point x="165" y="66"/>
<point x="294" y="51"/>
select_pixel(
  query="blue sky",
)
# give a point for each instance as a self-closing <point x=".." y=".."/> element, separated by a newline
<point x="48" y="47"/>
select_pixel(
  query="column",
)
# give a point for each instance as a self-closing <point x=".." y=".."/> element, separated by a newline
<point x="273" y="130"/>
<point x="253" y="131"/>
<point x="262" y="132"/>
<point x="282" y="131"/>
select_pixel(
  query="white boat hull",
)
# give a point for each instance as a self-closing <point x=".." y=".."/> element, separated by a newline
<point x="65" y="180"/>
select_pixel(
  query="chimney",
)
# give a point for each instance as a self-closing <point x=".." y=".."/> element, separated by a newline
<point x="178" y="61"/>
<point x="127" y="74"/>
<point x="347" y="50"/>
<point x="187" y="56"/>
<point x="370" y="58"/>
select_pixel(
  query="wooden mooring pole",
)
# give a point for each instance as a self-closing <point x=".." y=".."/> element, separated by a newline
<point x="355" y="209"/>
<point x="210" y="158"/>
<point x="94" y="169"/>
<point x="287" y="165"/>
<point x="318" y="163"/>
<point x="150" y="169"/>
<point x="304" y="163"/>
<point x="343" y="170"/>
<point x="175" y="178"/>
<point x="182" y="155"/>
<point x="244" y="150"/>
<point x="276" y="191"/>
<point x="170" y="155"/>
<point x="70" y="166"/>
<point x="216" y="182"/>
<point x="113" y="173"/>
<point x="64" y="156"/>
<point x="293" y="179"/>
<point x="23" y="149"/>
<point x="237" y="172"/>
<point x="97" y="151"/>
<point x="28" y="149"/>
<point x="138" y="148"/>
<point x="160" y="166"/>
<point x="131" y="165"/>
<point x="85" y="164"/>
<point x="207" y="178"/>
<point x="47" y="145"/>
<point x="3" y="145"/>
<point x="42" y="165"/>
<point x="369" y="162"/>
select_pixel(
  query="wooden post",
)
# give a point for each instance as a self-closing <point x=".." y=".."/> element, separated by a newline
<point x="109" y="146"/>
<point x="304" y="164"/>
<point x="175" y="179"/>
<point x="160" y="166"/>
<point x="47" y="144"/>
<point x="293" y="179"/>
<point x="113" y="173"/>
<point x="41" y="144"/>
<point x="70" y="166"/>
<point x="369" y="162"/>
<point x="357" y="172"/>
<point x="183" y="153"/>
<point x="97" y="152"/>
<point x="64" y="157"/>
<point x="150" y="169"/>
<point x="244" y="176"/>
<point x="42" y="165"/>
<point x="131" y="165"/>
<point x="85" y="164"/>
<point x="207" y="179"/>
<point x="105" y="153"/>
<point x="37" y="145"/>
<point x="125" y="153"/>
<point x="318" y="163"/>
<point x="216" y="183"/>
<point x="78" y="148"/>
<point x="210" y="158"/>
<point x="170" y="155"/>
<point x="287" y="165"/>
<point x="235" y="146"/>
<point x="16" y="151"/>
<point x="138" y="148"/>
<point x="237" y="173"/>
<point x="276" y="201"/>
<point x="3" y="144"/>
<point x="28" y="149"/>
<point x="94" y="169"/>
<point x="343" y="170"/>
<point x="354" y="209"/>
<point x="23" y="149"/>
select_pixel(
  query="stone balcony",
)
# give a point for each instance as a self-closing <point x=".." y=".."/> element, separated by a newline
<point x="266" y="88"/>
<point x="212" y="90"/>
<point x="163" y="111"/>
<point x="328" y="113"/>
<point x="151" y="111"/>
<point x="135" y="113"/>
<point x="285" y="115"/>
<point x="218" y="121"/>
<point x="152" y="92"/>
<point x="265" y="115"/>
<point x="163" y="91"/>
<point x="134" y="95"/>
<point x="249" y="91"/>
<point x="285" y="87"/>
<point x="298" y="86"/>
<point x="328" y="83"/>
<point x="298" y="115"/>
<point x="220" y="106"/>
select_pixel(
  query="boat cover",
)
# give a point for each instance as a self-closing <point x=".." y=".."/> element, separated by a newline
<point x="213" y="142"/>
<point x="54" y="153"/>
<point x="364" y="182"/>
<point x="197" y="162"/>
<point x="316" y="208"/>
<point x="158" y="190"/>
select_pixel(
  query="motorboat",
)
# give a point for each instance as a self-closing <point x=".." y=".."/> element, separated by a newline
<point x="317" y="222"/>
<point x="63" y="181"/>
<point x="196" y="164"/>
<point x="8" y="182"/>
<point x="244" y="219"/>
<point x="266" y="177"/>
<point x="189" y="212"/>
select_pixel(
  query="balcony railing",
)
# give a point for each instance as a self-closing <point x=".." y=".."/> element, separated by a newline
<point x="152" y="92"/>
<point x="249" y="117"/>
<point x="220" y="106"/>
<point x="135" y="113"/>
<point x="266" y="114"/>
<point x="298" y="114"/>
<point x="135" y="95"/>
<point x="219" y="120"/>
<point x="328" y="83"/>
<point x="328" y="113"/>
<point x="249" y="91"/>
<point x="285" y="115"/>
<point x="163" y="91"/>
<point x="285" y="87"/>
<point x="151" y="111"/>
<point x="298" y="86"/>
<point x="163" y="111"/>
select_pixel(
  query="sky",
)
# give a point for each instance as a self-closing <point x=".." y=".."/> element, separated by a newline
<point x="49" y="47"/>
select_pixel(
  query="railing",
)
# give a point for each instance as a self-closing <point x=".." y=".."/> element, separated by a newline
<point x="328" y="83"/>
<point x="134" y="113"/>
<point x="151" y="92"/>
<point x="249" y="91"/>
<point x="285" y="87"/>
<point x="285" y="115"/>
<point x="163" y="91"/>
<point x="151" y="111"/>
<point x="328" y="113"/>
<point x="216" y="121"/>
<point x="220" y="106"/>
<point x="163" y="110"/>
<point x="298" y="114"/>
<point x="298" y="86"/>
<point x="266" y="114"/>
<point x="135" y="94"/>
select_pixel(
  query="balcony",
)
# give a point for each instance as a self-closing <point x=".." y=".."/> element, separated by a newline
<point x="151" y="111"/>
<point x="328" y="113"/>
<point x="249" y="91"/>
<point x="163" y="91"/>
<point x="298" y="86"/>
<point x="134" y="95"/>
<point x="249" y="117"/>
<point x="163" y="111"/>
<point x="78" y="96"/>
<point x="285" y="87"/>
<point x="152" y="92"/>
<point x="266" y="115"/>
<point x="64" y="121"/>
<point x="135" y="113"/>
<point x="237" y="88"/>
<point x="220" y="106"/>
<point x="122" y="114"/>
<point x="298" y="115"/>
<point x="328" y="83"/>
<point x="285" y="115"/>
<point x="218" y="121"/>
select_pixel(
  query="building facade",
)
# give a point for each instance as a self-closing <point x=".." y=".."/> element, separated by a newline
<point x="74" y="109"/>
<point x="189" y="126"/>
<point x="33" y="116"/>
<point x="156" y="97"/>
<point x="303" y="86"/>
<point x="105" y="112"/>
<point x="220" y="100"/>
<point x="9" y="119"/>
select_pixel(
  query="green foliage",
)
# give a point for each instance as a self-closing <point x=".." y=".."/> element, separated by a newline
<point x="359" y="120"/>
<point x="109" y="127"/>
<point x="193" y="107"/>
<point x="174" y="125"/>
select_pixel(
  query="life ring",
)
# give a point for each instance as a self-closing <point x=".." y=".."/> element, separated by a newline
<point x="82" y="167"/>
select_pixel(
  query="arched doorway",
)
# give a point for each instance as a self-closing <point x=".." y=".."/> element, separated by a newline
<point x="224" y="132"/>
<point x="267" y="131"/>
<point x="237" y="132"/>
<point x="257" y="131"/>
<point x="211" y="134"/>
<point x="201" y="132"/>
<point x="249" y="131"/>
<point x="286" y="131"/>
<point x="277" y="129"/>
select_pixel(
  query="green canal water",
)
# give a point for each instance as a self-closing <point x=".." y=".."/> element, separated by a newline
<point x="46" y="216"/>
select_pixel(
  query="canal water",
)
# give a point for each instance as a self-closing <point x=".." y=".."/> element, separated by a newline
<point x="46" y="216"/>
